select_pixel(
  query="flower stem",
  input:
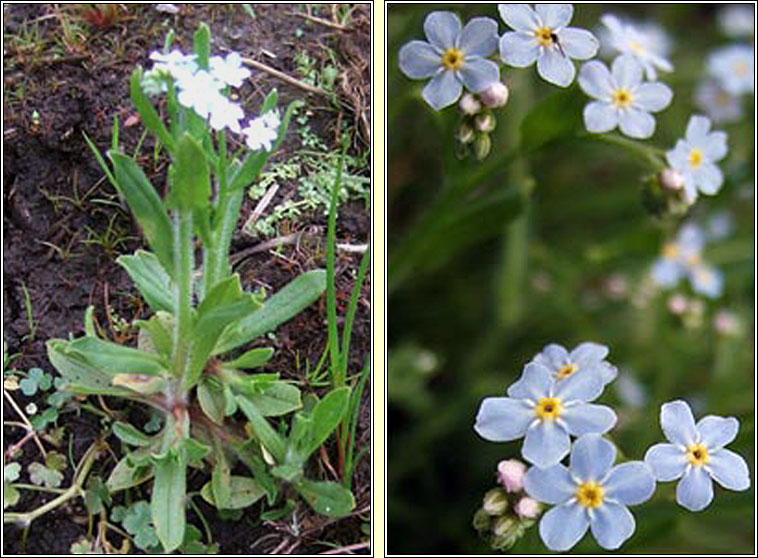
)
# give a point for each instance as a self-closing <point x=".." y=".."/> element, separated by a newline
<point x="183" y="266"/>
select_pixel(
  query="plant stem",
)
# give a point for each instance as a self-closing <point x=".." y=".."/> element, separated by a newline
<point x="183" y="266"/>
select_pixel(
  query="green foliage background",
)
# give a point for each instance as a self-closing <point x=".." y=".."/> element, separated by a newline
<point x="521" y="257"/>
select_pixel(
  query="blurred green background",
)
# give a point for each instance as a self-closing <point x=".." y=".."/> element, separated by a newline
<point x="555" y="246"/>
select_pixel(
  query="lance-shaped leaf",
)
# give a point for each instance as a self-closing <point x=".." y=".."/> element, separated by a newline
<point x="167" y="504"/>
<point x="282" y="306"/>
<point x="82" y="375"/>
<point x="325" y="417"/>
<point x="202" y="45"/>
<point x="243" y="492"/>
<point x="112" y="358"/>
<point x="271" y="440"/>
<point x="212" y="399"/>
<point x="156" y="334"/>
<point x="221" y="479"/>
<point x="270" y="398"/>
<point x="150" y="278"/>
<point x="251" y="455"/>
<point x="190" y="176"/>
<point x="146" y="205"/>
<point x="327" y="498"/>
<point x="128" y="473"/>
<point x="129" y="434"/>
<point x="148" y="114"/>
<point x="141" y="383"/>
<point x="252" y="358"/>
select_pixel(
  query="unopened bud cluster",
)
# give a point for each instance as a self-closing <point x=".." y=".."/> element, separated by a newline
<point x="478" y="120"/>
<point x="506" y="512"/>
<point x="663" y="194"/>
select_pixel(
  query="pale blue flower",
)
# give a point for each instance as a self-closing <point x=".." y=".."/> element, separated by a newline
<point x="696" y="454"/>
<point x="719" y="225"/>
<point x="706" y="280"/>
<point x="452" y="57"/>
<point x="590" y="494"/>
<point x="734" y="67"/>
<point x="737" y="20"/>
<point x="545" y="413"/>
<point x="695" y="157"/>
<point x="541" y="34"/>
<point x="621" y="98"/>
<point x="199" y="91"/>
<point x="717" y="102"/>
<point x="587" y="357"/>
<point x="648" y="45"/>
<point x="679" y="256"/>
<point x="229" y="69"/>
<point x="262" y="132"/>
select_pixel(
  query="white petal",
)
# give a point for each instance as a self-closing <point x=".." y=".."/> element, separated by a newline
<point x="630" y="483"/>
<point x="443" y="90"/>
<point x="520" y="17"/>
<point x="709" y="178"/>
<point x="588" y="418"/>
<point x="717" y="432"/>
<point x="552" y="485"/>
<point x="518" y="49"/>
<point x="545" y="444"/>
<point x="729" y="470"/>
<point x="678" y="423"/>
<point x="501" y="419"/>
<point x="578" y="43"/>
<point x="595" y="80"/>
<point x="563" y="526"/>
<point x="592" y="457"/>
<point x="667" y="461"/>
<point x="626" y="72"/>
<point x="715" y="147"/>
<point x="479" y="37"/>
<point x="697" y="128"/>
<point x="479" y="74"/>
<point x="636" y="123"/>
<point x="442" y="29"/>
<point x="556" y="68"/>
<point x="652" y="97"/>
<point x="612" y="524"/>
<point x="555" y="16"/>
<point x="695" y="490"/>
<point x="419" y="59"/>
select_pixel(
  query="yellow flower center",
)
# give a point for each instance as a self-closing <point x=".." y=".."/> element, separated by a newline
<point x="636" y="47"/>
<point x="670" y="251"/>
<point x="697" y="455"/>
<point x="567" y="370"/>
<point x="544" y="36"/>
<point x="693" y="259"/>
<point x="696" y="158"/>
<point x="452" y="59"/>
<point x="741" y="69"/>
<point x="590" y="494"/>
<point x="548" y="408"/>
<point x="622" y="98"/>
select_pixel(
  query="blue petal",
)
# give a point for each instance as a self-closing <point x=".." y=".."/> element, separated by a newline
<point x="443" y="90"/>
<point x="479" y="37"/>
<point x="419" y="59"/>
<point x="592" y="457"/>
<point x="556" y="68"/>
<point x="608" y="372"/>
<point x="587" y="353"/>
<point x="580" y="387"/>
<point x="552" y="485"/>
<point x="600" y="117"/>
<point x="717" y="432"/>
<point x="611" y="525"/>
<point x="626" y="72"/>
<point x="479" y="74"/>
<point x="588" y="418"/>
<point x="554" y="15"/>
<point x="630" y="483"/>
<point x="552" y="356"/>
<point x="636" y="123"/>
<point x="442" y="29"/>
<point x="501" y="419"/>
<point x="520" y="17"/>
<point x="666" y="273"/>
<point x="728" y="469"/>
<point x="518" y="49"/>
<point x="563" y="526"/>
<point x="697" y="129"/>
<point x="578" y="43"/>
<point x="596" y="80"/>
<point x="678" y="424"/>
<point x="545" y="444"/>
<point x="710" y="178"/>
<point x="534" y="383"/>
<point x="667" y="461"/>
<point x="653" y="97"/>
<point x="695" y="490"/>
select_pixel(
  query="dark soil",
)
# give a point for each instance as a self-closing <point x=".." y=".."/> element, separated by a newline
<point x="63" y="225"/>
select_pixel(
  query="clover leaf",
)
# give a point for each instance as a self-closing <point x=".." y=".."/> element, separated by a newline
<point x="41" y="475"/>
<point x="36" y="379"/>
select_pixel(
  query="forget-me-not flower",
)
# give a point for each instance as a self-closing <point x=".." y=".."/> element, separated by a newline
<point x="454" y="56"/>
<point x="262" y="132"/>
<point x="648" y="45"/>
<point x="679" y="256"/>
<point x="545" y="412"/>
<point x="229" y="69"/>
<point x="695" y="157"/>
<point x="541" y="34"/>
<point x="696" y="454"/>
<point x="717" y="102"/>
<point x="591" y="493"/>
<point x="734" y="67"/>
<point x="737" y="20"/>
<point x="586" y="357"/>
<point x="621" y="97"/>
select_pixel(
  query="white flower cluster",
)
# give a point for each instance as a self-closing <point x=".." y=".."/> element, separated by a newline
<point x="203" y="91"/>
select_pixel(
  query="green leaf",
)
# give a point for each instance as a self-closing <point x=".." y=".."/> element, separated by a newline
<point x="252" y="359"/>
<point x="127" y="474"/>
<point x="112" y="358"/>
<point x="202" y="45"/>
<point x="210" y="394"/>
<point x="11" y="495"/>
<point x="273" y="399"/>
<point x="266" y="435"/>
<point x="156" y="334"/>
<point x="89" y="321"/>
<point x="167" y="504"/>
<point x="84" y="377"/>
<point x="146" y="205"/>
<point x="190" y="176"/>
<point x="41" y="475"/>
<point x="289" y="473"/>
<point x="150" y="278"/>
<point x="282" y="306"/>
<point x="251" y="455"/>
<point x="129" y="434"/>
<point x="243" y="492"/>
<point x="326" y="415"/>
<point x="279" y="513"/>
<point x="270" y="101"/>
<point x="192" y="451"/>
<point x="327" y="498"/>
<point x="148" y="114"/>
<point x="221" y="481"/>
<point x="140" y="383"/>
<point x="557" y="116"/>
<point x="11" y="472"/>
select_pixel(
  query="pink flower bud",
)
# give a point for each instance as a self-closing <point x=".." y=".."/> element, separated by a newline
<point x="726" y="322"/>
<point x="677" y="304"/>
<point x="511" y="474"/>
<point x="672" y="179"/>
<point x="495" y="96"/>
<point x="469" y="104"/>
<point x="527" y="508"/>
